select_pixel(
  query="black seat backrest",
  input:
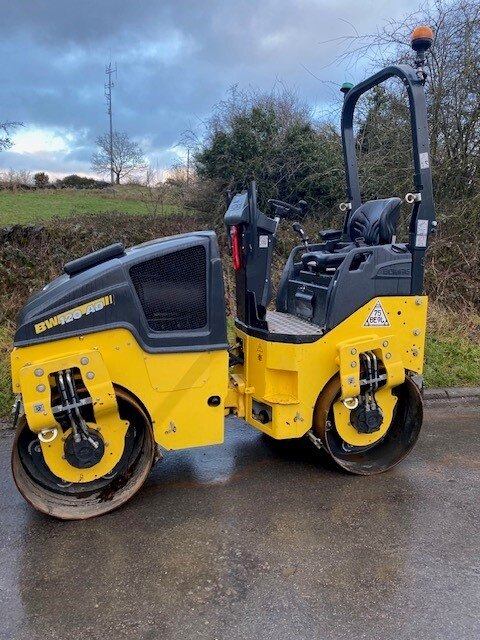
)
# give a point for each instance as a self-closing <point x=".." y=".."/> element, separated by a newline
<point x="375" y="221"/>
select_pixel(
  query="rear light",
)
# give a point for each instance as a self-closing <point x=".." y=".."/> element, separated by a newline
<point x="236" y="247"/>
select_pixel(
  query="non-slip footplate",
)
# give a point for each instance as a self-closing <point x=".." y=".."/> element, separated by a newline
<point x="286" y="324"/>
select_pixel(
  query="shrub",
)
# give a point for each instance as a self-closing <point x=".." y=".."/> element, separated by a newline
<point x="41" y="180"/>
<point x="275" y="139"/>
<point x="81" y="182"/>
<point x="13" y="180"/>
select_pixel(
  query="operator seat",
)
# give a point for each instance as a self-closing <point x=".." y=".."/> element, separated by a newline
<point x="373" y="223"/>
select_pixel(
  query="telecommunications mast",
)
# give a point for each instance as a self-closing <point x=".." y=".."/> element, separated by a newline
<point x="109" y="72"/>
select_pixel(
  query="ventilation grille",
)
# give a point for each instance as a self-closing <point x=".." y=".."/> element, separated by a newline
<point x="173" y="289"/>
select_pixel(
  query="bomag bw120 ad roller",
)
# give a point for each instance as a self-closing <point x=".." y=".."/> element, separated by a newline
<point x="127" y="353"/>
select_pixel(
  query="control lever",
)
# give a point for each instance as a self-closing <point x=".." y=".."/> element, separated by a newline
<point x="303" y="206"/>
<point x="297" y="227"/>
<point x="286" y="210"/>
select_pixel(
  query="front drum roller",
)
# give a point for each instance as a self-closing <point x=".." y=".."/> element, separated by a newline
<point x="397" y="440"/>
<point x="79" y="501"/>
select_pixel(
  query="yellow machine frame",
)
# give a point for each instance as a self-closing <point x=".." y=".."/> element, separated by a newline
<point x="290" y="377"/>
<point x="287" y="377"/>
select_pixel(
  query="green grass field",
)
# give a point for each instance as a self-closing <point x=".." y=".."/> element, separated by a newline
<point x="6" y="396"/>
<point x="452" y="362"/>
<point x="23" y="207"/>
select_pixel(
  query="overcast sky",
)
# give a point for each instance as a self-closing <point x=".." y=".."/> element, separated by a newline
<point x="175" y="59"/>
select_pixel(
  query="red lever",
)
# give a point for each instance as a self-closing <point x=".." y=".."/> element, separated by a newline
<point x="236" y="248"/>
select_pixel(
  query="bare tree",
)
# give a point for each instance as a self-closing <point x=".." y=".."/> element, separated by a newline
<point x="128" y="156"/>
<point x="153" y="192"/>
<point x="179" y="176"/>
<point x="453" y="84"/>
<point x="5" y="140"/>
<point x="13" y="179"/>
<point x="453" y="89"/>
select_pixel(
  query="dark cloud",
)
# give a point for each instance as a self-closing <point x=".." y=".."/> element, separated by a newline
<point x="175" y="60"/>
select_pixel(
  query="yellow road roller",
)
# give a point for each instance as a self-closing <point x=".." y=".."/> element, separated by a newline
<point x="125" y="356"/>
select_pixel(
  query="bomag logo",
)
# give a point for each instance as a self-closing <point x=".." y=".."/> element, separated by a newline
<point x="74" y="314"/>
<point x="395" y="271"/>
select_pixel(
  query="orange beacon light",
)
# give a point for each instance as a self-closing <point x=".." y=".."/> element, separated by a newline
<point x="421" y="39"/>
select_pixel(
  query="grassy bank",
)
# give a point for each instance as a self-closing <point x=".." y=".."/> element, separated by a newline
<point x="23" y="207"/>
<point x="453" y="348"/>
<point x="6" y="397"/>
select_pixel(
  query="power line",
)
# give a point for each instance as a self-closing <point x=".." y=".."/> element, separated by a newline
<point x="109" y="72"/>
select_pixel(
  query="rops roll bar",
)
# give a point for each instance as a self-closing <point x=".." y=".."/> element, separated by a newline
<point x="422" y="220"/>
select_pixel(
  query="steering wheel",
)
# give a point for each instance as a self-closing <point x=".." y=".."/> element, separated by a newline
<point x="286" y="210"/>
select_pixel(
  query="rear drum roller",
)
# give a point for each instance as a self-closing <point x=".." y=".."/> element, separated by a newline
<point x="396" y="440"/>
<point x="81" y="500"/>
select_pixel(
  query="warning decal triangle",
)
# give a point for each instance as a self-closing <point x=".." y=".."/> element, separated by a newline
<point x="377" y="317"/>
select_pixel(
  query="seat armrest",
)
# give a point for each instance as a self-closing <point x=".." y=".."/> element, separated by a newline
<point x="320" y="260"/>
<point x="330" y="234"/>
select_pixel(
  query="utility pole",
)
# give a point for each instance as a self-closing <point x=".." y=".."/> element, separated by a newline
<point x="109" y="72"/>
<point x="188" y="167"/>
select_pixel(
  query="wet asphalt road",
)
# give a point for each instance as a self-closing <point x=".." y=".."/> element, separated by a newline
<point x="255" y="539"/>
